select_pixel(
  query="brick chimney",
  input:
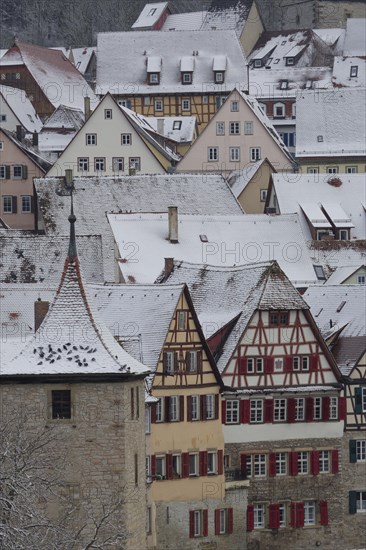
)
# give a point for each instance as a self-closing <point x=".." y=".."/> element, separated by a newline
<point x="173" y="223"/>
<point x="87" y="111"/>
<point x="40" y="312"/>
<point x="168" y="267"/>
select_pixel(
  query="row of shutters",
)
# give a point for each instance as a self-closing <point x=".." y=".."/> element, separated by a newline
<point x="230" y="521"/>
<point x="187" y="361"/>
<point x="297" y="515"/>
<point x="293" y="463"/>
<point x="24" y="172"/>
<point x="268" y="363"/>
<point x="202" y="463"/>
<point x="202" y="406"/>
<point x="291" y="410"/>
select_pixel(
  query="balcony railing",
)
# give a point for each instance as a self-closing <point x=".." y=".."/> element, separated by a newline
<point x="235" y="475"/>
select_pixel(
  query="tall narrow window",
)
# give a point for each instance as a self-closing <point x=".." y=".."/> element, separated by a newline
<point x="61" y="404"/>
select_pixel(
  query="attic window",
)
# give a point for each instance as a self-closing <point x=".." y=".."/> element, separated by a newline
<point x="354" y="71"/>
<point x="219" y="77"/>
<point x="319" y="272"/>
<point x="186" y="78"/>
<point x="276" y="61"/>
<point x="78" y="64"/>
<point x="283" y="43"/>
<point x="154" y="78"/>
<point x="257" y="63"/>
<point x="289" y="61"/>
<point x="152" y="11"/>
<point x="204" y="238"/>
<point x="283" y="84"/>
<point x="309" y="84"/>
<point x="320" y="139"/>
<point x="341" y="306"/>
<point x="177" y="124"/>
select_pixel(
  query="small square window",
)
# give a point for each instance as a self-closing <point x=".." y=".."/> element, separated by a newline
<point x="186" y="104"/>
<point x="284" y="84"/>
<point x="187" y="78"/>
<point x="219" y="77"/>
<point x="257" y="63"/>
<point x="126" y="139"/>
<point x="234" y="106"/>
<point x="153" y="78"/>
<point x="289" y="61"/>
<point x="91" y="139"/>
<point x="2" y="118"/>
<point x="351" y="169"/>
<point x="61" y="404"/>
<point x="248" y="128"/>
<point x="158" y="104"/>
<point x="134" y="163"/>
<point x="361" y="279"/>
<point x="234" y="128"/>
<point x="320" y="139"/>
<point x="108" y="114"/>
<point x="177" y="125"/>
<point x="213" y="154"/>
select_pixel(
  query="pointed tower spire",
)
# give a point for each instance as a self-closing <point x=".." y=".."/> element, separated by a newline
<point x="72" y="243"/>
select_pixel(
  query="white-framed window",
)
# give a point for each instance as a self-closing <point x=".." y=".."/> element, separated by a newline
<point x="26" y="204"/>
<point x="283" y="514"/>
<point x="289" y="61"/>
<point x="279" y="110"/>
<point x="259" y="365"/>
<point x="174" y="408"/>
<point x="234" y="128"/>
<point x="197" y="523"/>
<point x="219" y="77"/>
<point x="278" y="364"/>
<point x="300" y="363"/>
<point x="124" y="103"/>
<point x="193" y="464"/>
<point x="249" y="465"/>
<point x="147" y="420"/>
<point x="147" y="100"/>
<point x="187" y="78"/>
<point x="361" y="279"/>
<point x="158" y="104"/>
<point x="169" y="362"/>
<point x="91" y="139"/>
<point x="160" y="471"/>
<point x="361" y="450"/>
<point x="195" y="404"/>
<point x="263" y="195"/>
<point x="234" y="154"/>
<point x="212" y="462"/>
<point x="159" y="408"/>
<point x="192" y="358"/>
<point x="312" y="170"/>
<point x="351" y="169"/>
<point x="343" y="235"/>
<point x="108" y="114"/>
<point x="182" y="320"/>
<point x="333" y="408"/>
<point x="332" y="169"/>
<point x="255" y="365"/>
<point x="361" y="501"/>
<point x="309" y="512"/>
<point x="186" y="104"/>
<point x="232" y="411"/>
<point x="280" y="409"/>
<point x="303" y="462"/>
<point x="259" y="516"/>
<point x="117" y="164"/>
<point x="7" y="204"/>
<point x="223" y="523"/>
<point x="353" y="71"/>
<point x="177" y="125"/>
<point x="255" y="153"/>
<point x="281" y="464"/>
<point x="248" y="128"/>
<point x="259" y="465"/>
<point x="17" y="172"/>
<point x="2" y="172"/>
<point x="99" y="164"/>
<point x="234" y="106"/>
<point x="324" y="462"/>
<point x="83" y="164"/>
<point x="153" y="78"/>
<point x="300" y="408"/>
<point x="177" y="465"/>
<point x="220" y="128"/>
<point x="134" y="163"/>
<point x="318" y="408"/>
<point x="210" y="406"/>
<point x="126" y="139"/>
<point x="212" y="154"/>
<point x="283" y="84"/>
<point x="256" y="411"/>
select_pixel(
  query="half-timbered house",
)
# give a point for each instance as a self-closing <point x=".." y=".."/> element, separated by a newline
<point x="188" y="501"/>
<point x="283" y="408"/>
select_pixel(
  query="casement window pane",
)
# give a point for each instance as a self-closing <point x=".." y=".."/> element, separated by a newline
<point x="160" y="467"/>
<point x="283" y="515"/>
<point x="259" y="465"/>
<point x="255" y="153"/>
<point x="26" y="204"/>
<point x="281" y="464"/>
<point x="198" y="523"/>
<point x="256" y="410"/>
<point x="213" y="154"/>
<point x="318" y="408"/>
<point x="250" y="365"/>
<point x="192" y="361"/>
<point x="248" y="127"/>
<point x="309" y="513"/>
<point x="117" y="164"/>
<point x="223" y="522"/>
<point x="158" y="105"/>
<point x="259" y="365"/>
<point x="249" y="465"/>
<point x="279" y="110"/>
<point x="305" y="363"/>
<point x="232" y="411"/>
<point x="182" y="320"/>
<point x="303" y="462"/>
<point x="234" y="154"/>
<point x="61" y="404"/>
<point x="234" y="128"/>
<point x="2" y="172"/>
<point x="193" y="464"/>
<point x="108" y="114"/>
<point x="134" y="163"/>
<point x="280" y="407"/>
<point x="195" y="403"/>
<point x="83" y="164"/>
<point x="363" y="393"/>
<point x="186" y="104"/>
<point x="174" y="408"/>
<point x="159" y="411"/>
<point x="126" y="139"/>
<point x="17" y="172"/>
<point x="154" y="78"/>
<point x="220" y="128"/>
<point x="324" y="462"/>
<point x="99" y="164"/>
<point x="234" y="106"/>
<point x="177" y="465"/>
<point x="148" y="467"/>
<point x="361" y="501"/>
<point x="210" y="407"/>
<point x="91" y="139"/>
<point x="361" y="450"/>
<point x="259" y="516"/>
<point x="7" y="205"/>
<point x="300" y="409"/>
<point x="333" y="408"/>
<point x="212" y="462"/>
<point x="147" y="420"/>
<point x="169" y="366"/>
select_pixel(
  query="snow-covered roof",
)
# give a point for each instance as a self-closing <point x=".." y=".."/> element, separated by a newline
<point x="176" y="128"/>
<point x="332" y="37"/>
<point x="2" y="52"/>
<point x="218" y="291"/>
<point x="224" y="240"/>
<point x="150" y="15"/>
<point x="60" y="81"/>
<point x="72" y="339"/>
<point x="331" y="123"/>
<point x="29" y="150"/>
<point x="288" y="81"/>
<point x="344" y="67"/>
<point x="239" y="179"/>
<point x="355" y="39"/>
<point x="138" y="314"/>
<point x="66" y="118"/>
<point x="341" y="273"/>
<point x="190" y="193"/>
<point x="333" y="254"/>
<point x="191" y="21"/>
<point x="17" y="305"/>
<point x="82" y="57"/>
<point x="115" y="73"/>
<point x="313" y="195"/>
<point x="341" y="307"/>
<point x="27" y="258"/>
<point x="228" y="15"/>
<point x="20" y="104"/>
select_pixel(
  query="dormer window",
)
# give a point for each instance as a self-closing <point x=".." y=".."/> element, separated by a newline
<point x="154" y="78"/>
<point x="152" y="11"/>
<point x="186" y="68"/>
<point x="257" y="63"/>
<point x="283" y="84"/>
<point x="289" y="61"/>
<point x="153" y="69"/>
<point x="279" y="110"/>
<point x="219" y="77"/>
<point x="219" y="68"/>
<point x="186" y="78"/>
<point x="354" y="71"/>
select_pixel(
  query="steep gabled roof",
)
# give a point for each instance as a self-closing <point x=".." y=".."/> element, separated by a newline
<point x="66" y="118"/>
<point x="21" y="106"/>
<point x="72" y="339"/>
<point x="29" y="152"/>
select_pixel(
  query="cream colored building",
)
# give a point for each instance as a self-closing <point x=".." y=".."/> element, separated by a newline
<point x="250" y="185"/>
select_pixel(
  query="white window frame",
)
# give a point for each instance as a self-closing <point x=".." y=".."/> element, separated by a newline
<point x="27" y="210"/>
<point x="260" y="465"/>
<point x="193" y="361"/>
<point x="210" y="406"/>
<point x="177" y="124"/>
<point x="19" y="169"/>
<point x="197" y="523"/>
<point x="212" y="462"/>
<point x="299" y="408"/>
<point x="187" y="78"/>
<point x="332" y="169"/>
<point x="169" y="366"/>
<point x="232" y="411"/>
<point x="186" y="104"/>
<point x="255" y="154"/>
<point x="158" y="105"/>
<point x="134" y="163"/>
<point x="303" y="462"/>
<point x="259" y="365"/>
<point x="353" y="73"/>
<point x="351" y="169"/>
<point x="283" y="514"/>
<point x="182" y="321"/>
<point x="193" y="472"/>
<point x="248" y="127"/>
<point x="234" y="154"/>
<point x="361" y="502"/>
<point x="153" y="78"/>
<point x="177" y="464"/>
<point x="309" y="512"/>
<point x="83" y="164"/>
<point x="91" y="139"/>
<point x="147" y="420"/>
<point x="108" y="113"/>
<point x="234" y="106"/>
<point x="195" y="404"/>
<point x="312" y="170"/>
<point x="161" y="459"/>
<point x="256" y="411"/>
<point x="280" y="410"/>
<point x="361" y="279"/>
<point x="159" y="410"/>
<point x="318" y="408"/>
<point x="333" y="408"/>
<point x="118" y="164"/>
<point x="7" y="204"/>
<point x="212" y="154"/>
<point x="234" y="128"/>
<point x="281" y="464"/>
<point x="220" y="128"/>
<point x="259" y="511"/>
<point x="223" y="521"/>
<point x="324" y="462"/>
<point x="361" y="450"/>
<point x="126" y="139"/>
<point x="98" y="163"/>
<point x="279" y="105"/>
<point x="174" y="412"/>
<point x="219" y="77"/>
<point x="2" y="171"/>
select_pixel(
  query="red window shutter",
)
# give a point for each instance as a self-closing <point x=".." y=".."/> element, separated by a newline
<point x="223" y="411"/>
<point x="342" y="408"/>
<point x="242" y="365"/>
<point x="268" y="365"/>
<point x="309" y="413"/>
<point x="169" y="466"/>
<point x="191" y="524"/>
<point x="220" y="462"/>
<point x="323" y="505"/>
<point x="268" y="410"/>
<point x="199" y="362"/>
<point x="294" y="468"/>
<point x="244" y="411"/>
<point x="314" y="360"/>
<point x="326" y="404"/>
<point x="167" y="408"/>
<point x="272" y="464"/>
<point x="335" y="461"/>
<point x="203" y="407"/>
<point x="185" y="465"/>
<point x="189" y="408"/>
<point x="243" y="464"/>
<point x="165" y="361"/>
<point x="314" y="462"/>
<point x="250" y="517"/>
<point x="230" y="521"/>
<point x="205" y="523"/>
<point x="217" y="522"/>
<point x="153" y="466"/>
<point x="181" y="408"/>
<point x="203" y="463"/>
<point x="291" y="409"/>
<point x="217" y="400"/>
<point x="153" y="413"/>
<point x="274" y="516"/>
<point x="293" y="514"/>
<point x="300" y="514"/>
<point x="289" y="363"/>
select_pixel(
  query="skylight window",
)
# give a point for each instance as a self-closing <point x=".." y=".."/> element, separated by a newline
<point x="204" y="238"/>
<point x="341" y="306"/>
<point x="320" y="139"/>
<point x="152" y="11"/>
<point x="284" y="84"/>
<point x="309" y="84"/>
<point x="319" y="272"/>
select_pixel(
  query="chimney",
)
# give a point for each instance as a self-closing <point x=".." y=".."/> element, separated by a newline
<point x="40" y="312"/>
<point x="19" y="133"/>
<point x="87" y="111"/>
<point x="35" y="139"/>
<point x="161" y="126"/>
<point x="173" y="223"/>
<point x="68" y="178"/>
<point x="168" y="267"/>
